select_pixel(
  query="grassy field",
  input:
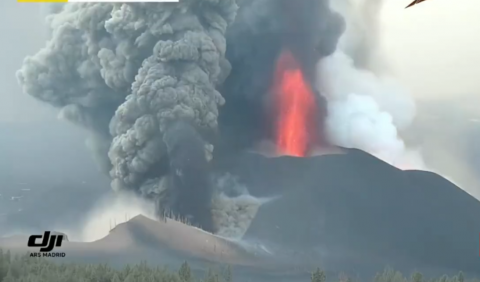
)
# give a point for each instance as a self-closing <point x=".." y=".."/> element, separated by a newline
<point x="26" y="269"/>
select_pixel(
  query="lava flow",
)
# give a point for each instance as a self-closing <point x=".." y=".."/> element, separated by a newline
<point x="295" y="106"/>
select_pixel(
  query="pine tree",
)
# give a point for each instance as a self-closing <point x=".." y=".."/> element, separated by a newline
<point x="417" y="277"/>
<point x="130" y="278"/>
<point x="3" y="265"/>
<point x="212" y="276"/>
<point x="227" y="275"/>
<point x="460" y="277"/>
<point x="8" y="256"/>
<point x="185" y="273"/>
<point x="444" y="278"/>
<point x="115" y="278"/>
<point x="125" y="272"/>
<point x="318" y="276"/>
<point x="9" y="277"/>
<point x="389" y="275"/>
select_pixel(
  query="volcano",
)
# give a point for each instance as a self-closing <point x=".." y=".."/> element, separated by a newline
<point x="179" y="94"/>
<point x="346" y="213"/>
<point x="354" y="212"/>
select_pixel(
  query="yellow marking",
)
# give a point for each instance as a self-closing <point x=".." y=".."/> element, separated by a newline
<point x="42" y="1"/>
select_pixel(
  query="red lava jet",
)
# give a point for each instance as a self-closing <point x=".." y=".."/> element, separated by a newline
<point x="296" y="128"/>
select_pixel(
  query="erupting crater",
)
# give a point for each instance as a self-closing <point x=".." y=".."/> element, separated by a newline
<point x="296" y="128"/>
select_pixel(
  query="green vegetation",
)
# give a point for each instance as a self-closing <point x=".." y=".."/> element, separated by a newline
<point x="390" y="275"/>
<point x="26" y="269"/>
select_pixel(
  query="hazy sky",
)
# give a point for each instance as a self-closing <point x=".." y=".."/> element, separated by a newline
<point x="37" y="151"/>
<point x="434" y="46"/>
<point x="23" y="33"/>
<point x="434" y="49"/>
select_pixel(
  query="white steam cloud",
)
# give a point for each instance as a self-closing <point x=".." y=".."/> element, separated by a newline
<point x="367" y="108"/>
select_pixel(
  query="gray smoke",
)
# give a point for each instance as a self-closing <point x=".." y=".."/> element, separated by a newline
<point x="143" y="78"/>
<point x="362" y="35"/>
<point x="233" y="208"/>
<point x="126" y="71"/>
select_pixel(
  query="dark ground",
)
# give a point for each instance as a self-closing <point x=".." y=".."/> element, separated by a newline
<point x="360" y="213"/>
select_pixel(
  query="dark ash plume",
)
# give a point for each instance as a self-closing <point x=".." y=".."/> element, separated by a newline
<point x="126" y="71"/>
<point x="189" y="166"/>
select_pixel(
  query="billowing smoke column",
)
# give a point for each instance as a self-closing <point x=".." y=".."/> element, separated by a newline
<point x="141" y="76"/>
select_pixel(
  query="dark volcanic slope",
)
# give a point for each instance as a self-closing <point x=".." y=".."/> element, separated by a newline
<point x="357" y="212"/>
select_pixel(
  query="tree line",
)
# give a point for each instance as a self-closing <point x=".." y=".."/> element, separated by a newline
<point x="25" y="269"/>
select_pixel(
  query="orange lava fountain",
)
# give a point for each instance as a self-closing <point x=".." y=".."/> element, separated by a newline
<point x="296" y="109"/>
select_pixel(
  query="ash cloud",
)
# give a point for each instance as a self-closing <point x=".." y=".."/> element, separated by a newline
<point x="126" y="71"/>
